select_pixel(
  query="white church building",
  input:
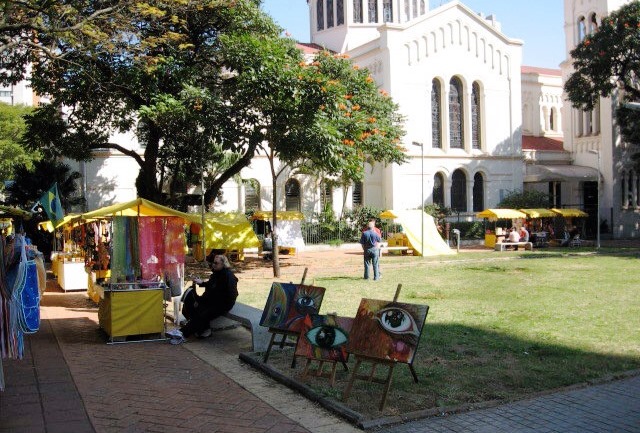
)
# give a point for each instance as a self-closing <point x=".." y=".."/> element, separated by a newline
<point x="479" y="124"/>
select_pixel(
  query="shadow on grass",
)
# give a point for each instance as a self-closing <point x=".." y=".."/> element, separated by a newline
<point x="460" y="368"/>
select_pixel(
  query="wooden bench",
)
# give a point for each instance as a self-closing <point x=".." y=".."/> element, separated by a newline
<point x="249" y="317"/>
<point x="501" y="246"/>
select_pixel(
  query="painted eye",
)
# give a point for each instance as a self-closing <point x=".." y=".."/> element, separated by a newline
<point x="326" y="337"/>
<point x="305" y="303"/>
<point x="397" y="321"/>
<point x="276" y="311"/>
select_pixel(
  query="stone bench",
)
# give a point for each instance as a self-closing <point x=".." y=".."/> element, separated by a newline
<point x="249" y="317"/>
<point x="501" y="246"/>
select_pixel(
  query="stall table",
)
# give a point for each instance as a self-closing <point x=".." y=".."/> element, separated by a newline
<point x="72" y="276"/>
<point x="129" y="309"/>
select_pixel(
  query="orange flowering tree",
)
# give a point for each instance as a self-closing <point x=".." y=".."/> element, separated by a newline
<point x="606" y="63"/>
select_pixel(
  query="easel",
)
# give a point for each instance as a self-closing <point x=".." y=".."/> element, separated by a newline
<point x="375" y="362"/>
<point x="284" y="335"/>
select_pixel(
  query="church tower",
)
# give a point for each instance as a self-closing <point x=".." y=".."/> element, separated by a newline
<point x="592" y="138"/>
<point x="342" y="25"/>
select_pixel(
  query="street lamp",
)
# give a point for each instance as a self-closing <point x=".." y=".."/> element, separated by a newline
<point x="421" y="145"/>
<point x="597" y="152"/>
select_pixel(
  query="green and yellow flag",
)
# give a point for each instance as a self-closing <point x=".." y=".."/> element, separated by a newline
<point x="50" y="202"/>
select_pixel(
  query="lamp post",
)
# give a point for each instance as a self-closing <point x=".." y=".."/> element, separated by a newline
<point x="421" y="145"/>
<point x="597" y="152"/>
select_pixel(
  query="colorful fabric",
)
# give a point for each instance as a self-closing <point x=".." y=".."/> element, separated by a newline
<point x="125" y="255"/>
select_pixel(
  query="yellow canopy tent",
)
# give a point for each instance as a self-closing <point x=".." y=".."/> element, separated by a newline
<point x="226" y="231"/>
<point x="412" y="227"/>
<point x="289" y="228"/>
<point x="48" y="225"/>
<point x="539" y="213"/>
<point x="282" y="215"/>
<point x="501" y="214"/>
<point x="570" y="213"/>
<point x="137" y="207"/>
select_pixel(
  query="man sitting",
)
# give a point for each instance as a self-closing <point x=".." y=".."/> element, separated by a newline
<point x="513" y="237"/>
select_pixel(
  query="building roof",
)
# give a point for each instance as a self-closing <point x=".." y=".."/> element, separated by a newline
<point x="542" y="71"/>
<point x="530" y="142"/>
<point x="309" y="48"/>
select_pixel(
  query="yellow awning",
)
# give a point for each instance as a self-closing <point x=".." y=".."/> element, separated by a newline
<point x="570" y="213"/>
<point x="48" y="225"/>
<point x="265" y="215"/>
<point x="388" y="215"/>
<point x="227" y="230"/>
<point x="539" y="213"/>
<point x="501" y="214"/>
<point x="137" y="207"/>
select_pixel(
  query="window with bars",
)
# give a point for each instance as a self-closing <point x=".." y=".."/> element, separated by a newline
<point x="356" y="199"/>
<point x="455" y="114"/>
<point x="339" y="12"/>
<point x="320" y="15"/>
<point x="292" y="195"/>
<point x="475" y="117"/>
<point x="438" y="189"/>
<point x="436" y="115"/>
<point x="252" y="195"/>
<point x="373" y="11"/>
<point x="326" y="198"/>
<point x="357" y="12"/>
<point x="329" y="13"/>
<point x="478" y="193"/>
<point x="459" y="191"/>
<point x="387" y="11"/>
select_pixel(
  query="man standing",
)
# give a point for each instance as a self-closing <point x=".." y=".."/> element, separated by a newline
<point x="370" y="241"/>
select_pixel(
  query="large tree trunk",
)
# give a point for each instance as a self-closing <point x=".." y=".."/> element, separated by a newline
<point x="147" y="183"/>
<point x="275" y="257"/>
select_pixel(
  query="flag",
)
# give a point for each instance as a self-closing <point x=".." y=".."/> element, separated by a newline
<point x="50" y="202"/>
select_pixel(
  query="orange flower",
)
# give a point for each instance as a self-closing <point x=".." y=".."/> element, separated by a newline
<point x="322" y="107"/>
<point x="383" y="92"/>
<point x="355" y="107"/>
<point x="369" y="80"/>
<point x="371" y="120"/>
<point x="347" y="114"/>
<point x="348" y="96"/>
<point x="342" y="106"/>
<point x="324" y="89"/>
<point x="356" y="67"/>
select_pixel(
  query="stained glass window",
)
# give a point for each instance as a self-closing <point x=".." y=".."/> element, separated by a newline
<point x="387" y="11"/>
<point x="329" y="13"/>
<point x="459" y="191"/>
<point x="320" y="14"/>
<point x="373" y="11"/>
<point x="455" y="114"/>
<point x="476" y="118"/>
<point x="339" y="12"/>
<point x="357" y="11"/>
<point x="436" y="116"/>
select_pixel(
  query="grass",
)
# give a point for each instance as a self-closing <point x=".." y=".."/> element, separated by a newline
<point x="498" y="328"/>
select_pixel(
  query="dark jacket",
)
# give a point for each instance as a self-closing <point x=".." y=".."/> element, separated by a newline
<point x="221" y="290"/>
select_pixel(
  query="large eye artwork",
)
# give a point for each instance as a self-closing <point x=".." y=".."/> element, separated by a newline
<point x="326" y="337"/>
<point x="396" y="320"/>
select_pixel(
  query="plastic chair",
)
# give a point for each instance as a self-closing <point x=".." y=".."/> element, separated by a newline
<point x="576" y="242"/>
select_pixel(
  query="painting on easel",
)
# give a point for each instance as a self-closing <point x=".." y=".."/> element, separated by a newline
<point x="288" y="304"/>
<point x="387" y="330"/>
<point x="325" y="338"/>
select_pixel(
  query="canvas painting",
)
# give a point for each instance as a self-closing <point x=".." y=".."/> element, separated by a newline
<point x="288" y="304"/>
<point x="324" y="337"/>
<point x="387" y="330"/>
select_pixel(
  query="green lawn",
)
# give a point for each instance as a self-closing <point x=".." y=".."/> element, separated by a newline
<point x="500" y="325"/>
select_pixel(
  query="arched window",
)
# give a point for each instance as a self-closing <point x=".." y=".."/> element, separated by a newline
<point x="415" y="8"/>
<point x="478" y="193"/>
<point x="329" y="13"/>
<point x="356" y="199"/>
<point x="320" y="15"/>
<point x="292" y="195"/>
<point x="455" y="114"/>
<point x="582" y="29"/>
<point x="407" y="11"/>
<point x="326" y="197"/>
<point x="387" y="11"/>
<point x="373" y="11"/>
<point x="357" y="11"/>
<point x="593" y="23"/>
<point x="339" y="12"/>
<point x="422" y="7"/>
<point x="252" y="195"/>
<point x="438" y="189"/>
<point x="476" y="119"/>
<point x="552" y="123"/>
<point x="459" y="191"/>
<point x="436" y="115"/>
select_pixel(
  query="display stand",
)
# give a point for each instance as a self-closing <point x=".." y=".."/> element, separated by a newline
<point x="319" y="371"/>
<point x="72" y="276"/>
<point x="133" y="309"/>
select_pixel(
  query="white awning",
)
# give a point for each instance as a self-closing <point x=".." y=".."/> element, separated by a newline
<point x="560" y="173"/>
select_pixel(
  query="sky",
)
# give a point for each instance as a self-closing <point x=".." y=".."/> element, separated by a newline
<point x="538" y="23"/>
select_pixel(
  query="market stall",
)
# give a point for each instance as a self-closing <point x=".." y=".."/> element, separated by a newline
<point x="540" y="222"/>
<point x="290" y="238"/>
<point x="497" y="234"/>
<point x="224" y="231"/>
<point x="134" y="253"/>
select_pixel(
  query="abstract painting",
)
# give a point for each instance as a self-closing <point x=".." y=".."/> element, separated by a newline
<point x="324" y="337"/>
<point x="288" y="304"/>
<point x="387" y="330"/>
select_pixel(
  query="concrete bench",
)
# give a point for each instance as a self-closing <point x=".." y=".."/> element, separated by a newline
<point x="501" y="246"/>
<point x="249" y="317"/>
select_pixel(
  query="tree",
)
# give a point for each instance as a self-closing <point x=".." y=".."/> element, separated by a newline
<point x="525" y="200"/>
<point x="161" y="70"/>
<point x="606" y="63"/>
<point x="12" y="153"/>
<point x="331" y="120"/>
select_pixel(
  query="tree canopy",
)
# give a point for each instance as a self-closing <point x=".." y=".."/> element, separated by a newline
<point x="525" y="200"/>
<point x="606" y="63"/>
<point x="12" y="153"/>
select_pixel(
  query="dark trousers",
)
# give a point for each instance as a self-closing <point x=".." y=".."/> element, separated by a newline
<point x="198" y="317"/>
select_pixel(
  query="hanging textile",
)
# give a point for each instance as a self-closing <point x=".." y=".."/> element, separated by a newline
<point x="151" y="232"/>
<point x="174" y="243"/>
<point x="125" y="259"/>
